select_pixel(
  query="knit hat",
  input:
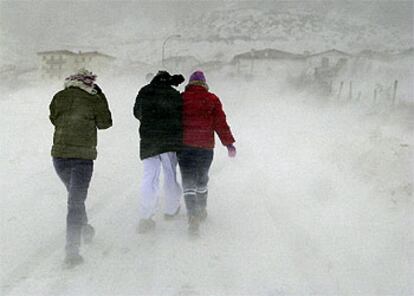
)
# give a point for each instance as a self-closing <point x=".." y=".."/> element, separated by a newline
<point x="87" y="77"/>
<point x="197" y="76"/>
<point x="83" y="79"/>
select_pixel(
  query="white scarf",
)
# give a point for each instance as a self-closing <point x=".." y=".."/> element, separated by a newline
<point x="80" y="84"/>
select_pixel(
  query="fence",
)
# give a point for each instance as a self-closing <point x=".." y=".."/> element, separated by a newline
<point x="379" y="93"/>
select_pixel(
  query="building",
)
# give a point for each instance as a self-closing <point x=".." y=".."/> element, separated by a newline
<point x="94" y="61"/>
<point x="323" y="68"/>
<point x="327" y="59"/>
<point x="404" y="56"/>
<point x="61" y="63"/>
<point x="55" y="64"/>
<point x="373" y="55"/>
<point x="268" y="61"/>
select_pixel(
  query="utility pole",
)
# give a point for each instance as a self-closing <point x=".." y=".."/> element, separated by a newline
<point x="163" y="47"/>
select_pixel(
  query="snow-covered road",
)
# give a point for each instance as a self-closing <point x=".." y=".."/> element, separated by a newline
<point x="319" y="200"/>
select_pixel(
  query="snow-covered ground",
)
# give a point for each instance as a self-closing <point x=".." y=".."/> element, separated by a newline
<point x="318" y="201"/>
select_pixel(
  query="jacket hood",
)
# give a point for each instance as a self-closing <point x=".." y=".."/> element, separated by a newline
<point x="79" y="84"/>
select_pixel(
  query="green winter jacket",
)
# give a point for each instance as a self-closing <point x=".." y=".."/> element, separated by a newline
<point x="76" y="115"/>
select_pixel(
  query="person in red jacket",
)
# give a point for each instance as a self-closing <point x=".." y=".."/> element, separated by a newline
<point x="203" y="115"/>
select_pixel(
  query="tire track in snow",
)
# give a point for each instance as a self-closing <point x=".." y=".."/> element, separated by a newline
<point x="138" y="258"/>
<point x="306" y="255"/>
<point x="23" y="271"/>
<point x="104" y="247"/>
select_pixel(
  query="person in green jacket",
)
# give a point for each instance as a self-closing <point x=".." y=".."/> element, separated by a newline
<point x="77" y="112"/>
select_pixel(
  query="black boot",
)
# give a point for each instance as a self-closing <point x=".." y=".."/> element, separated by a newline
<point x="193" y="224"/>
<point x="145" y="225"/>
<point x="72" y="260"/>
<point x="203" y="214"/>
<point x="202" y="205"/>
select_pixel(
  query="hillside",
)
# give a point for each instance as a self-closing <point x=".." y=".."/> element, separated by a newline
<point x="215" y="33"/>
<point x="305" y="29"/>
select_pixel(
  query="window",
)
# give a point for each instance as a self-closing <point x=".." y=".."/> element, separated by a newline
<point x="325" y="62"/>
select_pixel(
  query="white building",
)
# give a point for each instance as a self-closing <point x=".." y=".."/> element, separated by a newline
<point x="61" y="63"/>
<point x="327" y="59"/>
<point x="269" y="62"/>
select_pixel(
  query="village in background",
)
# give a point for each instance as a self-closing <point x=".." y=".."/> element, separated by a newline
<point x="367" y="75"/>
<point x="314" y="48"/>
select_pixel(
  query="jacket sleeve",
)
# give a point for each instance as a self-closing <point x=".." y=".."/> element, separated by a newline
<point x="178" y="111"/>
<point x="138" y="106"/>
<point x="52" y="111"/>
<point x="220" y="124"/>
<point x="103" y="117"/>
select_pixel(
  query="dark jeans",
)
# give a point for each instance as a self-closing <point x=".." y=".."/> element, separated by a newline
<point x="194" y="166"/>
<point x="76" y="174"/>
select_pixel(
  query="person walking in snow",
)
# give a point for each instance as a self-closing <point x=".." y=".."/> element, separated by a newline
<point x="77" y="112"/>
<point x="202" y="116"/>
<point x="158" y="107"/>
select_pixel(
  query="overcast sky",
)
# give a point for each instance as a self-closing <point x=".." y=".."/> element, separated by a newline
<point x="34" y="18"/>
<point x="36" y="25"/>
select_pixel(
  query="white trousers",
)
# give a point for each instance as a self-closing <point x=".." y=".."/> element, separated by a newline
<point x="149" y="200"/>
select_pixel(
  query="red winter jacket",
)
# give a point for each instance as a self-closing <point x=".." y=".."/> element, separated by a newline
<point x="202" y="116"/>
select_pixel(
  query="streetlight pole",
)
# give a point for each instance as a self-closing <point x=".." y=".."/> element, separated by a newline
<point x="163" y="46"/>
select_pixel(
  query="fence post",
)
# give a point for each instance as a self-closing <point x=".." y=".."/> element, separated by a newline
<point x="394" y="95"/>
<point x="375" y="96"/>
<point x="340" y="90"/>
<point x="350" y="90"/>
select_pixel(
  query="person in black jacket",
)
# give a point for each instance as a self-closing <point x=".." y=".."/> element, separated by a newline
<point x="158" y="107"/>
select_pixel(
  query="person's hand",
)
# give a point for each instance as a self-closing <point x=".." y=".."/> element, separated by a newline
<point x="231" y="150"/>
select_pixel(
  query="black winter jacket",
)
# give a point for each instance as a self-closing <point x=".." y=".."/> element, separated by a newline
<point x="158" y="107"/>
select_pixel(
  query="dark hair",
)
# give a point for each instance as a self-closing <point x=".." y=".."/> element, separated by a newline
<point x="97" y="88"/>
<point x="165" y="77"/>
<point x="176" y="79"/>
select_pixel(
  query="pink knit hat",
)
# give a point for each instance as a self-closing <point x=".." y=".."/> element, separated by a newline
<point x="84" y="76"/>
<point x="197" y="76"/>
